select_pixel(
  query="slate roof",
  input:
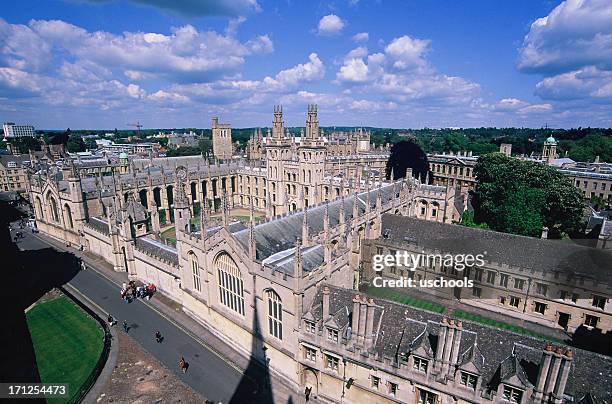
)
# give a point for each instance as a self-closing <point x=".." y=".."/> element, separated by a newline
<point x="157" y="249"/>
<point x="499" y="354"/>
<point x="282" y="233"/>
<point x="99" y="224"/>
<point x="561" y="256"/>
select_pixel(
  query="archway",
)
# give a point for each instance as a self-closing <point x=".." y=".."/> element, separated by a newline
<point x="68" y="214"/>
<point x="143" y="193"/>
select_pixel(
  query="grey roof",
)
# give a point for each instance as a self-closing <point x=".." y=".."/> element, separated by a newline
<point x="282" y="233"/>
<point x="99" y="224"/>
<point x="497" y="353"/>
<point x="562" y="256"/>
<point x="157" y="249"/>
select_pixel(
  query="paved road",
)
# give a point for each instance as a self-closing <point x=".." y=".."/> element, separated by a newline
<point x="208" y="374"/>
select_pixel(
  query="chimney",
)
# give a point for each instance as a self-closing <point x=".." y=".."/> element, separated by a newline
<point x="538" y="393"/>
<point x="455" y="347"/>
<point x="325" y="303"/>
<point x="566" y="363"/>
<point x="355" y="322"/>
<point x="369" y="337"/>
<point x="554" y="372"/>
<point x="544" y="232"/>
<point x="448" y="344"/>
<point x="362" y="319"/>
<point x="441" y="341"/>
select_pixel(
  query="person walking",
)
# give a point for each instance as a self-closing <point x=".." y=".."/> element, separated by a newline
<point x="158" y="337"/>
<point x="183" y="365"/>
<point x="125" y="326"/>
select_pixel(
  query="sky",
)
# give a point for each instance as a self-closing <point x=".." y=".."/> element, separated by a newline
<point x="101" y="64"/>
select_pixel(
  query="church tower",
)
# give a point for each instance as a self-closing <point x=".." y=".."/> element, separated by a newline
<point x="278" y="149"/>
<point x="311" y="158"/>
<point x="222" y="139"/>
<point x="549" y="153"/>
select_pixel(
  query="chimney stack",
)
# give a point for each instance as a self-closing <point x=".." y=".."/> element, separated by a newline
<point x="325" y="303"/>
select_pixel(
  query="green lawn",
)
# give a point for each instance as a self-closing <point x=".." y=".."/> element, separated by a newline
<point x="169" y="234"/>
<point x="390" y="294"/>
<point x="501" y="325"/>
<point x="67" y="342"/>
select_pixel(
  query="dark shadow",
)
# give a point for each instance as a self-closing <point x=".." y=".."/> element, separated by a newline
<point x="592" y="340"/>
<point x="27" y="276"/>
<point x="254" y="387"/>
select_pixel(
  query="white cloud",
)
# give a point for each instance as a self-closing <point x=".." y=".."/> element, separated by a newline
<point x="510" y="104"/>
<point x="407" y="52"/>
<point x="306" y="72"/>
<point x="330" y="25"/>
<point x="359" y="52"/>
<point x="536" y="109"/>
<point x="589" y="82"/>
<point x="575" y="34"/>
<point x="361" y="37"/>
<point x="353" y="70"/>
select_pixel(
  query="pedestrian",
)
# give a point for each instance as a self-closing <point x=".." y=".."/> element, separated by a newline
<point x="124" y="286"/>
<point x="158" y="337"/>
<point x="183" y="365"/>
<point x="111" y="320"/>
<point x="125" y="326"/>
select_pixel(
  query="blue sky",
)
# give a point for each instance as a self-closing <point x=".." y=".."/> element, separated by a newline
<point x="410" y="63"/>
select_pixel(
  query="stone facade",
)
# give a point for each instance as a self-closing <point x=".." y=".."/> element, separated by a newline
<point x="222" y="139"/>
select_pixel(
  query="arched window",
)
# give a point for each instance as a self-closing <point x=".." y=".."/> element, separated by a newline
<point x="53" y="207"/>
<point x="231" y="287"/>
<point x="68" y="216"/>
<point x="195" y="271"/>
<point x="39" y="209"/>
<point x="275" y="314"/>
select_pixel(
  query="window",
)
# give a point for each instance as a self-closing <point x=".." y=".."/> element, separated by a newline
<point x="515" y="301"/>
<point x="427" y="397"/>
<point x="310" y="354"/>
<point x="591" y="321"/>
<point x="562" y="294"/>
<point x="478" y="274"/>
<point x="539" y="307"/>
<point x="503" y="280"/>
<point x="375" y="382"/>
<point x="575" y="297"/>
<point x="231" y="287"/>
<point x="392" y="388"/>
<point x="419" y="364"/>
<point x="379" y="250"/>
<point x="332" y="335"/>
<point x="195" y="270"/>
<point x="275" y="314"/>
<point x="599" y="302"/>
<point x="469" y="380"/>
<point x="476" y="292"/>
<point x="541" y="289"/>
<point x="502" y="300"/>
<point x="491" y="277"/>
<point x="310" y="327"/>
<point x="519" y="283"/>
<point x="512" y="394"/>
<point x="331" y="362"/>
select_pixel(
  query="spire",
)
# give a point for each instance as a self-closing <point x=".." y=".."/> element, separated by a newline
<point x="252" y="243"/>
<point x="326" y="221"/>
<point x="297" y="273"/>
<point x="203" y="218"/>
<point x="305" y="230"/>
<point x="392" y="177"/>
<point x="342" y="215"/>
<point x="355" y="205"/>
<point x="225" y="209"/>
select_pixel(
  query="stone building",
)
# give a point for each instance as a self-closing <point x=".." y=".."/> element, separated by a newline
<point x="555" y="283"/>
<point x="261" y="287"/>
<point x="223" y="148"/>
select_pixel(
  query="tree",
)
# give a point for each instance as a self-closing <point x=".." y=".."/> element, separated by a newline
<point x="521" y="197"/>
<point x="75" y="144"/>
<point x="404" y="155"/>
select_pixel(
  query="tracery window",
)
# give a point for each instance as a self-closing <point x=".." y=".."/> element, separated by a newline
<point x="231" y="286"/>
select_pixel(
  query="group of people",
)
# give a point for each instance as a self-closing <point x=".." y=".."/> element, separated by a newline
<point x="183" y="364"/>
<point x="129" y="291"/>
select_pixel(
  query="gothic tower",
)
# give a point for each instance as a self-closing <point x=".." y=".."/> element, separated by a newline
<point x="311" y="157"/>
<point x="222" y="139"/>
<point x="278" y="149"/>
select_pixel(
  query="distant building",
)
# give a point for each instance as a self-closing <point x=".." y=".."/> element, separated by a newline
<point x="222" y="139"/>
<point x="179" y="140"/>
<point x="13" y="176"/>
<point x="11" y="130"/>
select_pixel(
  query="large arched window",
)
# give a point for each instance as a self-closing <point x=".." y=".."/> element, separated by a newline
<point x="231" y="287"/>
<point x="195" y="271"/>
<point x="68" y="214"/>
<point x="53" y="208"/>
<point x="39" y="209"/>
<point x="275" y="314"/>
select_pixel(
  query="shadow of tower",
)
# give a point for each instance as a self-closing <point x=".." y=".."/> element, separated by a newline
<point x="26" y="277"/>
<point x="255" y="387"/>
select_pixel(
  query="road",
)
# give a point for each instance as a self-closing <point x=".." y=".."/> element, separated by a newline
<point x="211" y="376"/>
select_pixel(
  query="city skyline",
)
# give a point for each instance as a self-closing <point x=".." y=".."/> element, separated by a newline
<point x="366" y="63"/>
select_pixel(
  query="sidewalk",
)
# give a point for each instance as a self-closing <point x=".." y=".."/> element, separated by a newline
<point x="174" y="313"/>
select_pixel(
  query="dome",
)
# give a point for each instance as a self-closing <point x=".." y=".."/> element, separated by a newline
<point x="123" y="155"/>
<point x="551" y="140"/>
